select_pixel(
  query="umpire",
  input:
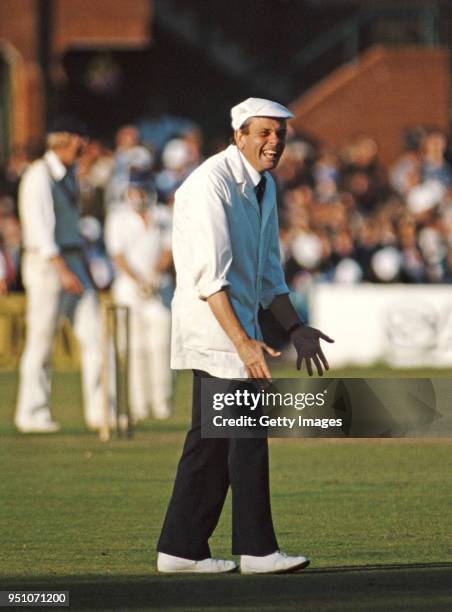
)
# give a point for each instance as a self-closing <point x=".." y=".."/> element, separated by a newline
<point x="226" y="254"/>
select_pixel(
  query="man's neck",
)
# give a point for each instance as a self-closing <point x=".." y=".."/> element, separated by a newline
<point x="254" y="174"/>
<point x="64" y="158"/>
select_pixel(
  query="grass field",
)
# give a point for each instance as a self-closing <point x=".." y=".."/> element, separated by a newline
<point x="87" y="514"/>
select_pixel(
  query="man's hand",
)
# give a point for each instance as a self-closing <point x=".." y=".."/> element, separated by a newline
<point x="69" y="281"/>
<point x="146" y="290"/>
<point x="251" y="352"/>
<point x="306" y="341"/>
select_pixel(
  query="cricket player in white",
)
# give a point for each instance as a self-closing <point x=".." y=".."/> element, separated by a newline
<point x="56" y="280"/>
<point x="138" y="238"/>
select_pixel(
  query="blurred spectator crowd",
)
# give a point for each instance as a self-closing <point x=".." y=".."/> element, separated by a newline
<point x="343" y="217"/>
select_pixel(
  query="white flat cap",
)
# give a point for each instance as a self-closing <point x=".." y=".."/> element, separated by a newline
<point x="257" y="107"/>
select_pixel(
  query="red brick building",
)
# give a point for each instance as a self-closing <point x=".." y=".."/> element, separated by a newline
<point x="34" y="37"/>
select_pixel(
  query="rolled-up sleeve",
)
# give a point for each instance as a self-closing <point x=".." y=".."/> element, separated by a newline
<point x="273" y="281"/>
<point x="210" y="244"/>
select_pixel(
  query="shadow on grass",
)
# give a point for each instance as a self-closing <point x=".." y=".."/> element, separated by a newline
<point x="392" y="587"/>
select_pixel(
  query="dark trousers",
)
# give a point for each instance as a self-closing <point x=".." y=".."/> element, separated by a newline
<point x="207" y="468"/>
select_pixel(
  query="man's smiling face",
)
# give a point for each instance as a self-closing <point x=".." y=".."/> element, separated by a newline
<point x="262" y="142"/>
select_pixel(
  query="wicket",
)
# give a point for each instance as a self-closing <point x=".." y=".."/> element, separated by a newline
<point x="115" y="371"/>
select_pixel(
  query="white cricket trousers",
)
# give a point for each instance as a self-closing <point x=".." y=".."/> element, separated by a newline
<point x="46" y="303"/>
<point x="150" y="376"/>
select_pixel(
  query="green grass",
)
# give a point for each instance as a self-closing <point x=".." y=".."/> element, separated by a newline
<point x="75" y="509"/>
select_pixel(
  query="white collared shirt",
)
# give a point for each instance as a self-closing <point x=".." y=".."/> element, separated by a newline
<point x="253" y="174"/>
<point x="36" y="209"/>
<point x="221" y="239"/>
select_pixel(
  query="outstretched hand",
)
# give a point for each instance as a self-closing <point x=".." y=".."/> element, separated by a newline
<point x="306" y="341"/>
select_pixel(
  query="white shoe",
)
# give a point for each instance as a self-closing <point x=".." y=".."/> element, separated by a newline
<point x="275" y="563"/>
<point x="37" y="425"/>
<point x="167" y="564"/>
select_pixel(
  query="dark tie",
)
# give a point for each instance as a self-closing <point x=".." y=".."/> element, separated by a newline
<point x="260" y="189"/>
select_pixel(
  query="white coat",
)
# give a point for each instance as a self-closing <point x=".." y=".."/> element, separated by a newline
<point x="221" y="239"/>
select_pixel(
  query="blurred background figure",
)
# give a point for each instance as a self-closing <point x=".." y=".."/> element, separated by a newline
<point x="404" y="173"/>
<point x="433" y="163"/>
<point x="56" y="280"/>
<point x="10" y="244"/>
<point x="10" y="175"/>
<point x="362" y="173"/>
<point x="95" y="168"/>
<point x="180" y="156"/>
<point x="3" y="273"/>
<point x="138" y="237"/>
<point x="128" y="152"/>
<point x="98" y="262"/>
